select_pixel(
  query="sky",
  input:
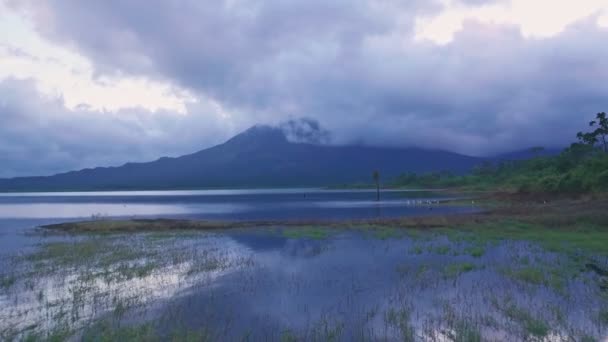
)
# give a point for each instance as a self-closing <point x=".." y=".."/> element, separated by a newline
<point x="104" y="82"/>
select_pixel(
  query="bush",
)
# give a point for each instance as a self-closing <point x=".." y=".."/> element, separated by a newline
<point x="571" y="183"/>
<point x="601" y="181"/>
<point x="549" y="183"/>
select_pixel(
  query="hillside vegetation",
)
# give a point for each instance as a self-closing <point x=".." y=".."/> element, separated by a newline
<point x="581" y="168"/>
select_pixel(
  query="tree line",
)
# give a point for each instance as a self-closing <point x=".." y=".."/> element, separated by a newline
<point x="582" y="167"/>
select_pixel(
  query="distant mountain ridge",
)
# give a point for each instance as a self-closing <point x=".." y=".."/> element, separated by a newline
<point x="529" y="153"/>
<point x="258" y="157"/>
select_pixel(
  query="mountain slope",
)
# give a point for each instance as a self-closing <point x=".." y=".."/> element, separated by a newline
<point x="529" y="153"/>
<point x="260" y="156"/>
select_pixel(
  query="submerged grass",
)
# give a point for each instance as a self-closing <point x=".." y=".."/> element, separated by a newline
<point x="476" y="251"/>
<point x="399" y="319"/>
<point x="533" y="326"/>
<point x="98" y="252"/>
<point x="130" y="333"/>
<point x="307" y="232"/>
<point x="472" y="238"/>
<point x="560" y="225"/>
<point x="378" y="231"/>
<point x="6" y="281"/>
<point x="456" y="269"/>
<point x="529" y="274"/>
<point x="466" y="331"/>
<point x="579" y="237"/>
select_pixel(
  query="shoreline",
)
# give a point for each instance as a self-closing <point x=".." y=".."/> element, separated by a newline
<point x="542" y="210"/>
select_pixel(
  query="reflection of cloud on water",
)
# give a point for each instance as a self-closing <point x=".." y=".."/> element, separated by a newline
<point x="302" y="248"/>
<point x="208" y="192"/>
<point x="213" y="204"/>
<point x="348" y="281"/>
<point x="77" y="296"/>
<point x="360" y="203"/>
<point x="355" y="282"/>
<point x="86" y="210"/>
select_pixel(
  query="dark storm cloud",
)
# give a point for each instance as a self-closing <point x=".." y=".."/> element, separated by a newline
<point x="241" y="52"/>
<point x="351" y="65"/>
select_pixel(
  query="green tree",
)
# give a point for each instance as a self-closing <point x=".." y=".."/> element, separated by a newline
<point x="376" y="177"/>
<point x="598" y="134"/>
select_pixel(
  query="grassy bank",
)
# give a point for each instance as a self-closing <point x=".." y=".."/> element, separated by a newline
<point x="583" y="221"/>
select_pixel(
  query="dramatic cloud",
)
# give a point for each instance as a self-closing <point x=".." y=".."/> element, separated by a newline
<point x="473" y="76"/>
<point x="40" y="136"/>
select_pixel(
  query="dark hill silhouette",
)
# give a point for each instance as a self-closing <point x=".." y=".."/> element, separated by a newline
<point x="530" y="153"/>
<point x="259" y="157"/>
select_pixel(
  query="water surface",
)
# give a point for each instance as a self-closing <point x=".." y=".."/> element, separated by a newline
<point x="267" y="204"/>
<point x="277" y="283"/>
<point x="22" y="211"/>
<point x="266" y="284"/>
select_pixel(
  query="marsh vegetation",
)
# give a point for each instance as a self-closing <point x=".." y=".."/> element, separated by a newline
<point x="500" y="279"/>
<point x="523" y="268"/>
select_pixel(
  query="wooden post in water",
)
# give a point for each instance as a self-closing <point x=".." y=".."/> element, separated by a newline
<point x="376" y="176"/>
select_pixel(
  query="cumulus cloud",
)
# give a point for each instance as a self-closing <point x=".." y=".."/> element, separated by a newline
<point x="353" y="66"/>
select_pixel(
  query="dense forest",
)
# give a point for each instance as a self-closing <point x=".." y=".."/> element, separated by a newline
<point x="582" y="167"/>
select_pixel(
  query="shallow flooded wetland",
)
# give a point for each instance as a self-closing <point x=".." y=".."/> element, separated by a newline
<point x="405" y="268"/>
<point x="308" y="283"/>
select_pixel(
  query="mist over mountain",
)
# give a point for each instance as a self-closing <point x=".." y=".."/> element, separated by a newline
<point x="291" y="154"/>
<point x="259" y="156"/>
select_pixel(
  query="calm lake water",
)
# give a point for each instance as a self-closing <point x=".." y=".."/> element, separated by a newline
<point x="261" y="204"/>
<point x="279" y="283"/>
<point x="20" y="211"/>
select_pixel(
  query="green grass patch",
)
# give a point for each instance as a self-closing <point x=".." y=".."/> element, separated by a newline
<point x="400" y="319"/>
<point x="312" y="232"/>
<point x="98" y="251"/>
<point x="455" y="270"/>
<point x="441" y="250"/>
<point x="6" y="281"/>
<point x="181" y="234"/>
<point x="584" y="237"/>
<point x="530" y="274"/>
<point x="476" y="251"/>
<point x="532" y="325"/>
<point x="553" y="277"/>
<point x="422" y="270"/>
<point x="417" y="249"/>
<point x="465" y="331"/>
<point x="380" y="231"/>
<point x="603" y="316"/>
<point x="385" y="233"/>
<point x="105" y="332"/>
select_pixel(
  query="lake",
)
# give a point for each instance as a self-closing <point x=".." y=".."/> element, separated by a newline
<point x="286" y="283"/>
<point x="259" y="204"/>
<point x="21" y="211"/>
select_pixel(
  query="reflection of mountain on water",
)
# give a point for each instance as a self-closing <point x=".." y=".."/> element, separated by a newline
<point x="288" y="247"/>
<point x="304" y="248"/>
<point x="260" y="242"/>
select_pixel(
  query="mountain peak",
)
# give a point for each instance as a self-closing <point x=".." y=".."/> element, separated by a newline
<point x="259" y="135"/>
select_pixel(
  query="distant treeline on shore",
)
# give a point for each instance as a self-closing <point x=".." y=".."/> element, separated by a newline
<point x="581" y="168"/>
<point x="576" y="170"/>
